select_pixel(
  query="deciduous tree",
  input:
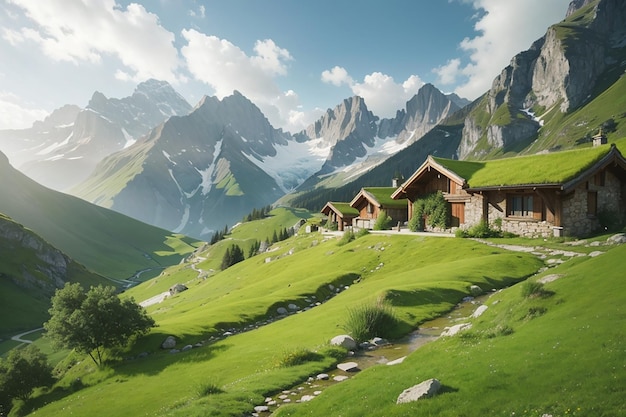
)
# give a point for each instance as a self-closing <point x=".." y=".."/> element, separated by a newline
<point x="93" y="321"/>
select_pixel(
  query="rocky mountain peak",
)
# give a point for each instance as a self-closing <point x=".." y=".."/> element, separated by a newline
<point x="560" y="69"/>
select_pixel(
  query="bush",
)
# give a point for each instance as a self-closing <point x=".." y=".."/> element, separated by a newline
<point x="434" y="208"/>
<point x="370" y="320"/>
<point x="348" y="236"/>
<point x="483" y="230"/>
<point x="362" y="232"/>
<point x="383" y="222"/>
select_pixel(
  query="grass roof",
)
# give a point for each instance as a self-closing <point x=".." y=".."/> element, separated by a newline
<point x="345" y="208"/>
<point x="552" y="168"/>
<point x="383" y="196"/>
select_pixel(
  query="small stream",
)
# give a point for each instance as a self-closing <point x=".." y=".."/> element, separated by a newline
<point x="427" y="332"/>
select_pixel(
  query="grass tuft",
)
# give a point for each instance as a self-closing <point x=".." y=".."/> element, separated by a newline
<point x="297" y="356"/>
<point x="208" y="388"/>
<point x="369" y="320"/>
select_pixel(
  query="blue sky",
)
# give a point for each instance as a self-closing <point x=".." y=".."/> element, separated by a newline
<point x="293" y="58"/>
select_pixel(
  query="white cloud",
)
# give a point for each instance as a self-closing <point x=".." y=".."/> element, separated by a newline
<point x="86" y="31"/>
<point x="506" y="28"/>
<point x="225" y="67"/>
<point x="383" y="96"/>
<point x="447" y="74"/>
<point x="14" y="114"/>
<point x="337" y="76"/>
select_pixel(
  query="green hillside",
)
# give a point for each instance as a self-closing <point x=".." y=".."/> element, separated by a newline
<point x="104" y="241"/>
<point x="28" y="277"/>
<point x="537" y="340"/>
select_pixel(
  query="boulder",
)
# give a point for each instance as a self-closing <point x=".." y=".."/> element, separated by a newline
<point x="617" y="239"/>
<point x="293" y="307"/>
<point x="422" y="390"/>
<point x="451" y="331"/>
<point x="475" y="290"/>
<point x="479" y="311"/>
<point x="348" y="366"/>
<point x="343" y="340"/>
<point x="178" y="288"/>
<point x="396" y="361"/>
<point x="281" y="310"/>
<point x="322" y="377"/>
<point x="379" y="341"/>
<point x="169" y="343"/>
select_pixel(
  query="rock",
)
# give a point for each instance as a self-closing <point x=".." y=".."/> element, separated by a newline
<point x="173" y="351"/>
<point x="451" y="331"/>
<point x="316" y="393"/>
<point x="348" y="366"/>
<point x="261" y="409"/>
<point x="142" y="355"/>
<point x="595" y="253"/>
<point x="422" y="390"/>
<point x="281" y="310"/>
<point x="340" y="378"/>
<point x="168" y="343"/>
<point x="396" y="361"/>
<point x="343" y="340"/>
<point x="186" y="348"/>
<point x="479" y="311"/>
<point x="178" y="288"/>
<point x="322" y="377"/>
<point x="617" y="239"/>
<point x="475" y="290"/>
<point x="379" y="341"/>
<point x="306" y="398"/>
<point x="293" y="307"/>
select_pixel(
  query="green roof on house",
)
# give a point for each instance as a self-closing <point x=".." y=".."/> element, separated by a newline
<point x="383" y="196"/>
<point x="343" y="208"/>
<point x="542" y="169"/>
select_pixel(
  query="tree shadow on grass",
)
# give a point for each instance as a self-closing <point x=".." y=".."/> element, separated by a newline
<point x="155" y="362"/>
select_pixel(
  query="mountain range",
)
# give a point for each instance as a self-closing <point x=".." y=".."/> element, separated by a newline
<point x="196" y="170"/>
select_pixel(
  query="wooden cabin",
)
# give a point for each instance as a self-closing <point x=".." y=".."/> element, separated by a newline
<point x="370" y="201"/>
<point x="340" y="213"/>
<point x="563" y="193"/>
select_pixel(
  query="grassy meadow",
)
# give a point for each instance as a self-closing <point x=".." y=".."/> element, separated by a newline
<point x="528" y="355"/>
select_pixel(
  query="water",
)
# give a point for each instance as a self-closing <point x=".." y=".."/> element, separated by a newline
<point x="426" y="333"/>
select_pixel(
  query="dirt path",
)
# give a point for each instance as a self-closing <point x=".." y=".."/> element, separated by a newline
<point x="18" y="338"/>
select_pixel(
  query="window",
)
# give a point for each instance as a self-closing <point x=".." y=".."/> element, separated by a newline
<point x="592" y="203"/>
<point x="520" y="206"/>
<point x="370" y="208"/>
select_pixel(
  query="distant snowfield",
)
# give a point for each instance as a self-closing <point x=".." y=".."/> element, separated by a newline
<point x="294" y="162"/>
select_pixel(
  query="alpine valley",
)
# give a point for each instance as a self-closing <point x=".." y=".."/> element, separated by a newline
<point x="129" y="191"/>
<point x="194" y="171"/>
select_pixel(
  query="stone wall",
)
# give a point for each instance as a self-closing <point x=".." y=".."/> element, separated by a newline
<point x="576" y="220"/>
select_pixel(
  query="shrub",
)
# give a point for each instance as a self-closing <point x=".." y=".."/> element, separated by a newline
<point x="432" y="207"/>
<point x="362" y="232"/>
<point x="330" y="225"/>
<point x="383" y="222"/>
<point x="370" y="320"/>
<point x="348" y="236"/>
<point x="483" y="230"/>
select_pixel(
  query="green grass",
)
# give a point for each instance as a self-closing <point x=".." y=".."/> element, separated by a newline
<point x="553" y="168"/>
<point x="421" y="278"/>
<point x="85" y="232"/>
<point x="566" y="360"/>
<point x="383" y="196"/>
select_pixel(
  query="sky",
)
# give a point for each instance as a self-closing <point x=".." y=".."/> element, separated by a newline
<point x="293" y="58"/>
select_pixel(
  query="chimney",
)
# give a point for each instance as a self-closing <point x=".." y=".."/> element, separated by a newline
<point x="599" y="139"/>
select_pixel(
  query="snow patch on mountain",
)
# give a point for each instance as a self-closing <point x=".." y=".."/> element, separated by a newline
<point x="207" y="174"/>
<point x="55" y="145"/>
<point x="129" y="139"/>
<point x="294" y="162"/>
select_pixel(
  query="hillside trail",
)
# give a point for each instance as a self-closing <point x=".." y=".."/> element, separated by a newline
<point x="18" y="337"/>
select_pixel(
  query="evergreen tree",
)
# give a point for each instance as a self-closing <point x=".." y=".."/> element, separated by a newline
<point x="226" y="260"/>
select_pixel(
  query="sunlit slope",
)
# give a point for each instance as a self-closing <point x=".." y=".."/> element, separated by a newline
<point x="420" y="276"/>
<point x="107" y="242"/>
